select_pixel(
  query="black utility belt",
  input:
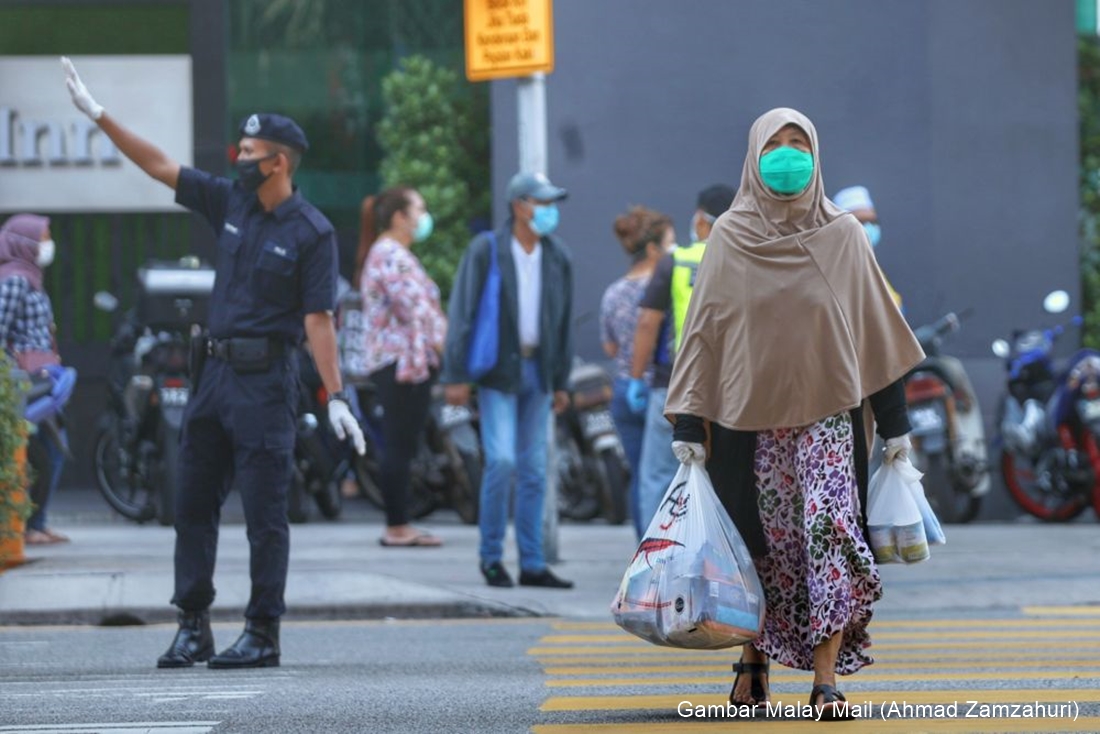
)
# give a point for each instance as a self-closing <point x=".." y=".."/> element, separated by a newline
<point x="247" y="354"/>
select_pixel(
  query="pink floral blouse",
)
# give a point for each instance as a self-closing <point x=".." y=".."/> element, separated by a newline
<point x="401" y="313"/>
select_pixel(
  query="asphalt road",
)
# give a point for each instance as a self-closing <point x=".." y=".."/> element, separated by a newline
<point x="550" y="676"/>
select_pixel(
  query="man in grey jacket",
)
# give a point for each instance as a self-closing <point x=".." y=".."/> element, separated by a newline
<point x="531" y="372"/>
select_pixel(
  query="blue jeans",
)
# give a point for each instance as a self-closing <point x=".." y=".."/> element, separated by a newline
<point x="56" y="458"/>
<point x="514" y="435"/>
<point x="631" y="427"/>
<point x="658" y="464"/>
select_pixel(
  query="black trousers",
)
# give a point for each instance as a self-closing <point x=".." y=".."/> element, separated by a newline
<point x="238" y="430"/>
<point x="405" y="413"/>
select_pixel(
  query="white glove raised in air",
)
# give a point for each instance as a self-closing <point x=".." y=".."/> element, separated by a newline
<point x="344" y="425"/>
<point x="897" y="448"/>
<point x="82" y="98"/>
<point x="687" y="452"/>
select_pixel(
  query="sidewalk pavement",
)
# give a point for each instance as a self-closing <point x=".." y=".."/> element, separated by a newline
<point x="114" y="572"/>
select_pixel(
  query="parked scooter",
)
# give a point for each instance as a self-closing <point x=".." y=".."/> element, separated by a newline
<point x="1049" y="422"/>
<point x="948" y="436"/>
<point x="137" y="450"/>
<point x="320" y="460"/>
<point x="446" y="471"/>
<point x="594" y="475"/>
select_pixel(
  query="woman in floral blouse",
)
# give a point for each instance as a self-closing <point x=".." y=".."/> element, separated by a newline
<point x="405" y="329"/>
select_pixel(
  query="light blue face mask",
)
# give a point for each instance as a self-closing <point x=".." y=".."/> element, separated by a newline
<point x="424" y="227"/>
<point x="874" y="232"/>
<point x="545" y="219"/>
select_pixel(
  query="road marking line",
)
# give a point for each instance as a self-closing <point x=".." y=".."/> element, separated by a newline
<point x="704" y="679"/>
<point x="643" y="651"/>
<point x="1053" y="611"/>
<point x="1046" y="634"/>
<point x="1019" y="622"/>
<point x="778" y="671"/>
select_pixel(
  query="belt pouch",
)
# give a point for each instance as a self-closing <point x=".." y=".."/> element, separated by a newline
<point x="249" y="355"/>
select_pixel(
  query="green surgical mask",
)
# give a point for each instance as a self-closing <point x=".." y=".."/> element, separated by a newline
<point x="786" y="170"/>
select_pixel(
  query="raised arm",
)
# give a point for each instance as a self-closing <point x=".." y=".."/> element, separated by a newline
<point x="144" y="154"/>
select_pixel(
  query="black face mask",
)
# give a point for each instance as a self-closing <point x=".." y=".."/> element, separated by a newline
<point x="249" y="173"/>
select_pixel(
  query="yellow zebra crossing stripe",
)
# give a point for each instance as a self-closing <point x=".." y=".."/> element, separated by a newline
<point x="1046" y="665"/>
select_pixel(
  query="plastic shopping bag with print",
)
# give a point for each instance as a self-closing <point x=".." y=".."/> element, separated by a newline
<point x="691" y="582"/>
<point x="893" y="517"/>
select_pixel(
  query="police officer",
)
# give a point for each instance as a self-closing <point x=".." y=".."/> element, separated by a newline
<point x="276" y="274"/>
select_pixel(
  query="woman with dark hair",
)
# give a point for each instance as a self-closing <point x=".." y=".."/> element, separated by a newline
<point x="27" y="335"/>
<point x="405" y="329"/>
<point x="646" y="236"/>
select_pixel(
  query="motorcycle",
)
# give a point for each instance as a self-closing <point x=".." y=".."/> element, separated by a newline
<point x="136" y="455"/>
<point x="948" y="437"/>
<point x="446" y="470"/>
<point x="1049" y="422"/>
<point x="320" y="460"/>
<point x="594" y="476"/>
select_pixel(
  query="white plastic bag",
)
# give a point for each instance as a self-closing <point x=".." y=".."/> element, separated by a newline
<point x="691" y="582"/>
<point x="933" y="531"/>
<point x="893" y="517"/>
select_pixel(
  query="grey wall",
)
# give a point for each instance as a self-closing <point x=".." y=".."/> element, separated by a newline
<point x="959" y="115"/>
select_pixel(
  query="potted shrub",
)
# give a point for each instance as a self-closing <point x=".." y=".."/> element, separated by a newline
<point x="15" y="505"/>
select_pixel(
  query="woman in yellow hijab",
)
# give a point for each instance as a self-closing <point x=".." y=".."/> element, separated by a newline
<point x="791" y="334"/>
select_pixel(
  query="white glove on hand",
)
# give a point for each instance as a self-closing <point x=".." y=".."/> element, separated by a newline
<point x="82" y="98"/>
<point x="687" y="452"/>
<point x="344" y="425"/>
<point x="897" y="448"/>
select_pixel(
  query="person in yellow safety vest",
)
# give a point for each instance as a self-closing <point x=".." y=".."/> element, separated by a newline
<point x="857" y="200"/>
<point x="661" y="314"/>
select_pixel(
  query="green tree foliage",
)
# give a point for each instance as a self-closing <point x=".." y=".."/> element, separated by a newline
<point x="1088" y="103"/>
<point x="435" y="136"/>
<point x="14" y="502"/>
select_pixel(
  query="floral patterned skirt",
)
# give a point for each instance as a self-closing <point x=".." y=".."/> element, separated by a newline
<point x="819" y="576"/>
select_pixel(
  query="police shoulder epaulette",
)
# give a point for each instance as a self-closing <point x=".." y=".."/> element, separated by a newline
<point x="319" y="221"/>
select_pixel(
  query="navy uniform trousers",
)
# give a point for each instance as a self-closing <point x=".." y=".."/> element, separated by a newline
<point x="238" y="432"/>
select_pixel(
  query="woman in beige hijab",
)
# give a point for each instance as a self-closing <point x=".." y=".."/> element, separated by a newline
<point x="791" y="339"/>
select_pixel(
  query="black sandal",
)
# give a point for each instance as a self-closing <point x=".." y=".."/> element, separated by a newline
<point x="831" y="700"/>
<point x="753" y="670"/>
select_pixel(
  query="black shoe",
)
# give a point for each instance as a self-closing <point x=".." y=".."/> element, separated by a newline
<point x="257" y="647"/>
<point x="543" y="578"/>
<point x="496" y="575"/>
<point x="194" y="641"/>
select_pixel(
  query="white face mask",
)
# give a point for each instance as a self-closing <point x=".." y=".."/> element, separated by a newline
<point x="46" y="250"/>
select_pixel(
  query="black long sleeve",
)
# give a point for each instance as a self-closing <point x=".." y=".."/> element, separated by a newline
<point x="689" y="428"/>
<point x="891" y="412"/>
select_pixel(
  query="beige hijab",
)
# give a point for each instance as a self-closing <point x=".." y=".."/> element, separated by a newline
<point x="791" y="320"/>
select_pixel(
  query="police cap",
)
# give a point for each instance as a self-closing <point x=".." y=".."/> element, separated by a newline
<point x="276" y="128"/>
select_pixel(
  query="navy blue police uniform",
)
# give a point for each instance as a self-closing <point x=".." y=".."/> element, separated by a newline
<point x="273" y="268"/>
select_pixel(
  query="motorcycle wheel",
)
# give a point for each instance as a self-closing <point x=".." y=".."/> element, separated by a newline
<point x="615" y="478"/>
<point x="463" y="452"/>
<point x="577" y="479"/>
<point x="1020" y="479"/>
<point x="949" y="504"/>
<point x="297" y="498"/>
<point x="168" y="441"/>
<point x="329" y="500"/>
<point x="134" y="504"/>
<point x="366" y="476"/>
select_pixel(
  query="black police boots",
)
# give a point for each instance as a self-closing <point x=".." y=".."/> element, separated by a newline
<point x="257" y="647"/>
<point x="194" y="642"/>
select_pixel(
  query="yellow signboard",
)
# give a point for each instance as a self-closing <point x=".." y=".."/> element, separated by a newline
<point x="506" y="38"/>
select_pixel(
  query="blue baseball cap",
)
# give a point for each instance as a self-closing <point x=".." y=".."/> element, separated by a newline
<point x="276" y="128"/>
<point x="534" y="186"/>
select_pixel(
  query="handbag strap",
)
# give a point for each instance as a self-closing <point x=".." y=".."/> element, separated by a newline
<point x="493" y="265"/>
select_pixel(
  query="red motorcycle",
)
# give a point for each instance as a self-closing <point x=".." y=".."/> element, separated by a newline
<point x="1050" y="420"/>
